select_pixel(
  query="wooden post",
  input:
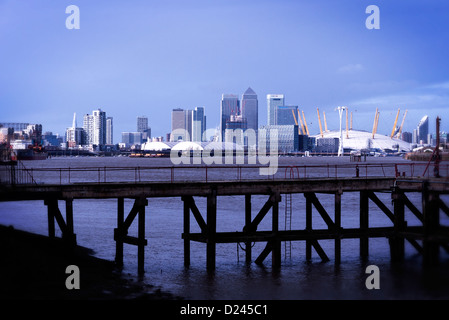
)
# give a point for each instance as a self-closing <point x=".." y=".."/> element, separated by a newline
<point x="247" y="223"/>
<point x="431" y="213"/>
<point x="211" y="229"/>
<point x="337" y="223"/>
<point x="186" y="232"/>
<point x="141" y="236"/>
<point x="308" y="227"/>
<point x="276" y="251"/>
<point x="119" y="240"/>
<point x="69" y="234"/>
<point x="397" y="241"/>
<point x="51" y="217"/>
<point x="364" y="223"/>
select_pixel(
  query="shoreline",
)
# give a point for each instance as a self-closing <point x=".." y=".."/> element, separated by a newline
<point x="33" y="267"/>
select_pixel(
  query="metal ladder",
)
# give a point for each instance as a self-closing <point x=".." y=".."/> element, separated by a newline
<point x="288" y="224"/>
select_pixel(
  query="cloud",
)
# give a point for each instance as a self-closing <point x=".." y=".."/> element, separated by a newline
<point x="350" y="68"/>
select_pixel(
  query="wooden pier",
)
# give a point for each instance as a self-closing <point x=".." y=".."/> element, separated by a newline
<point x="426" y="238"/>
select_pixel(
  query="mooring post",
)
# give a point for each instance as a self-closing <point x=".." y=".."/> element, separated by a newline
<point x="247" y="223"/>
<point x="276" y="250"/>
<point x="308" y="227"/>
<point x="211" y="229"/>
<point x="431" y="221"/>
<point x="397" y="241"/>
<point x="364" y="223"/>
<point x="119" y="240"/>
<point x="186" y="232"/>
<point x="337" y="223"/>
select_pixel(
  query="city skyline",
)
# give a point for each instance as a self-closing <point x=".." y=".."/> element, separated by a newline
<point x="125" y="59"/>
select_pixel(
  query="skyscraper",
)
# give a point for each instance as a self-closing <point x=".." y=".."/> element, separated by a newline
<point x="95" y="127"/>
<point x="273" y="101"/>
<point x="229" y="104"/>
<point x="178" y="125"/>
<point x="250" y="109"/>
<point x="284" y="115"/>
<point x="423" y="130"/>
<point x="198" y="124"/>
<point x="109" y="131"/>
<point x="142" y="126"/>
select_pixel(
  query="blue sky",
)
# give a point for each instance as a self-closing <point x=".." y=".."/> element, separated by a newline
<point x="133" y="58"/>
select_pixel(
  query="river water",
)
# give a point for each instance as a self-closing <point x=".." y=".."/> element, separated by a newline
<point x="233" y="279"/>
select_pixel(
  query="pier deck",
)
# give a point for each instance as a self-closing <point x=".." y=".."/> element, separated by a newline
<point x="427" y="238"/>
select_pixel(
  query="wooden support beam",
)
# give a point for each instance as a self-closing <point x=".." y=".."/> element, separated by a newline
<point x="308" y="227"/>
<point x="397" y="241"/>
<point x="51" y="217"/>
<point x="69" y="234"/>
<point x="186" y="232"/>
<point x="211" y="229"/>
<point x="381" y="205"/>
<point x="412" y="208"/>
<point x="247" y="223"/>
<point x="119" y="240"/>
<point x="319" y="250"/>
<point x="276" y="251"/>
<point x="364" y="223"/>
<point x="55" y="214"/>
<point x="443" y="207"/>
<point x="259" y="217"/>
<point x="141" y="236"/>
<point x="431" y="214"/>
<point x="196" y="213"/>
<point x="265" y="252"/>
<point x="320" y="209"/>
<point x="337" y="225"/>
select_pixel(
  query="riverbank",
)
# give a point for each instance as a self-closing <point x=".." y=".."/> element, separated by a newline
<point x="33" y="267"/>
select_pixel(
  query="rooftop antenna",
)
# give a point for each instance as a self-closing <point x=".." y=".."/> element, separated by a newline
<point x="340" y="145"/>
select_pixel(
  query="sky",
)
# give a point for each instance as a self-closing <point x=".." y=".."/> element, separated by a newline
<point x="134" y="58"/>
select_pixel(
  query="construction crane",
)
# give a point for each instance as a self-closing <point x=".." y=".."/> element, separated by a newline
<point x="400" y="128"/>
<point x="394" y="125"/>
<point x="319" y="121"/>
<point x="376" y="120"/>
<point x="305" y="122"/>
<point x="300" y="121"/>
<point x="296" y="122"/>
<point x="325" y="122"/>
<point x="347" y="133"/>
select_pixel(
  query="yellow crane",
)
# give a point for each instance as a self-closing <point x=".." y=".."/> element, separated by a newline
<point x="305" y="123"/>
<point x="350" y="128"/>
<point x="302" y="125"/>
<point x="394" y="125"/>
<point x="319" y="121"/>
<point x="325" y="122"/>
<point x="296" y="122"/>
<point x="376" y="119"/>
<point x="347" y="133"/>
<point x="400" y="128"/>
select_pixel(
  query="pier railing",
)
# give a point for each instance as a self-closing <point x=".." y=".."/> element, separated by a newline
<point x="208" y="173"/>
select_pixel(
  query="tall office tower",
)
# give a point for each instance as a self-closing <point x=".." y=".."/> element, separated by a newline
<point x="188" y="126"/>
<point x="109" y="131"/>
<point x="250" y="109"/>
<point x="273" y="101"/>
<point x="285" y="115"/>
<point x="142" y="126"/>
<point x="229" y="104"/>
<point x="198" y="124"/>
<point x="88" y="128"/>
<point x="178" y="125"/>
<point x="423" y="130"/>
<point x="95" y="127"/>
<point x="99" y="127"/>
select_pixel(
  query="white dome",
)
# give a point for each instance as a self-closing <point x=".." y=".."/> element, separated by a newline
<point x="223" y="146"/>
<point x="359" y="140"/>
<point x="187" y="145"/>
<point x="155" y="146"/>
